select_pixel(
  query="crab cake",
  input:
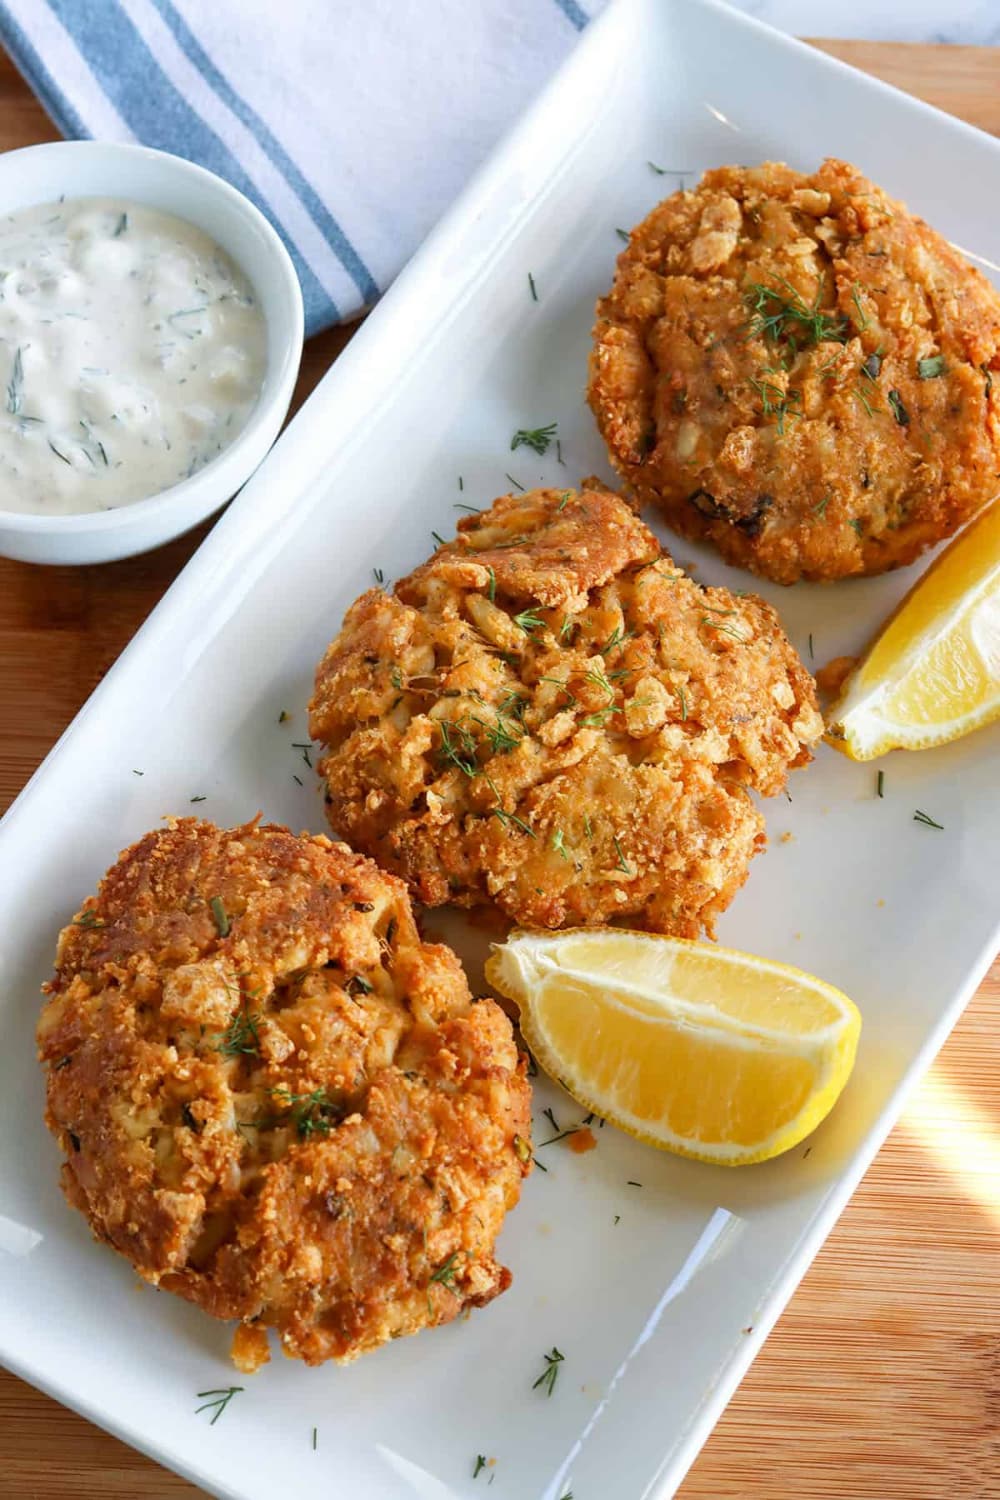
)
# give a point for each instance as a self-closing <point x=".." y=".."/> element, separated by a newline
<point x="274" y="1099"/>
<point x="550" y="716"/>
<point x="800" y="371"/>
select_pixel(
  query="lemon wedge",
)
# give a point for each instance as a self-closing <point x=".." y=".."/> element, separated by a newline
<point x="691" y="1047"/>
<point x="934" y="671"/>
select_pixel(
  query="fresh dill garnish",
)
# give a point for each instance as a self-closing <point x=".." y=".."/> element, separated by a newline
<point x="926" y="819"/>
<point x="564" y="501"/>
<point x="819" y="509"/>
<point x="898" y="409"/>
<point x="600" y="716"/>
<point x="880" y="784"/>
<point x="120" y="227"/>
<point x="547" y="1379"/>
<point x="725" y="629"/>
<point x="311" y="1114"/>
<point x="88" y="919"/>
<point x="588" y="828"/>
<point x="989" y="380"/>
<point x="811" y="656"/>
<point x="559" y="457"/>
<point x="480" y="1465"/>
<point x="617" y="638"/>
<point x="305" y="748"/>
<point x="197" y="799"/>
<point x="559" y="843"/>
<point x="297" y="779"/>
<point x="218" y="1400"/>
<point x="862" y="315"/>
<point x="622" y="235"/>
<point x="138" y="773"/>
<point x="314" y="1439"/>
<point x="220" y="915"/>
<point x="779" y="314"/>
<point x="568" y="625"/>
<point x="240" y="1038"/>
<point x="858" y="525"/>
<point x="59" y="454"/>
<point x="550" y="1115"/>
<point x="458" y="746"/>
<point x="379" y="576"/>
<point x="15" y="385"/>
<point x="534" y="289"/>
<point x="528" y="621"/>
<point x="473" y="510"/>
<point x="396" y="678"/>
<point x="660" y="171"/>
<point x="862" y="397"/>
<point x="617" y="1218"/>
<point x="539" y="439"/>
<point x="283" y="717"/>
<point x="446" y="1271"/>
<point x="514" y="482"/>
<point x="359" y="980"/>
<point x="623" y="863"/>
<point x="683" y="701"/>
<point x="492" y="590"/>
<point x="498" y="735"/>
<point x="439" y="539"/>
<point x="630" y="1183"/>
<point x="931" y="367"/>
<point x="461" y="482"/>
<point x="775" y="402"/>
<point x="600" y="680"/>
<point x="505" y="817"/>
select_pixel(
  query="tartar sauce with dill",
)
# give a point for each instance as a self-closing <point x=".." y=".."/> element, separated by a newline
<point x="132" y="351"/>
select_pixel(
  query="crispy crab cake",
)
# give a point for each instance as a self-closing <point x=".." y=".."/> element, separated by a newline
<point x="550" y="716"/>
<point x="275" y="1099"/>
<point x="800" y="371"/>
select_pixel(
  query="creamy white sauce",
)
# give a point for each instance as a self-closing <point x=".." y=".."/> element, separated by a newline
<point x="132" y="351"/>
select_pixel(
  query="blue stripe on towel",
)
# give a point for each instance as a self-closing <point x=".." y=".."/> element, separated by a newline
<point x="57" y="106"/>
<point x="160" y="116"/>
<point x="573" y="13"/>
<point x="317" y="209"/>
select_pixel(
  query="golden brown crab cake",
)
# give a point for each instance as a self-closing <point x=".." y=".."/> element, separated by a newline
<point x="550" y="716"/>
<point x="798" y="370"/>
<point x="275" y="1099"/>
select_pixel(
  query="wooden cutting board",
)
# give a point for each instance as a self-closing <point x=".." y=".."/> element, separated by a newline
<point x="882" y="1380"/>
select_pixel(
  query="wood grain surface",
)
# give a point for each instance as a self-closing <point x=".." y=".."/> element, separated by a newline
<point x="882" y="1380"/>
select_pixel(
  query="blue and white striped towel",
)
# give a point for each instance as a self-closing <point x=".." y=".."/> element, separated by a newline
<point x="351" y="123"/>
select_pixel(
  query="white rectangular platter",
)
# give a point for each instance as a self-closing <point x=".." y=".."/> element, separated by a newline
<point x="658" y="1279"/>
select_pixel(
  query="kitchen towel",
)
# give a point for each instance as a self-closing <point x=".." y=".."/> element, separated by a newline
<point x="351" y="123"/>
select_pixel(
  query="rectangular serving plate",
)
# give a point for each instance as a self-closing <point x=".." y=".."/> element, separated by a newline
<point x="658" y="1279"/>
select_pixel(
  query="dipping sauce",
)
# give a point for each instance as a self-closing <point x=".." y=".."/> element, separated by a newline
<point x="132" y="351"/>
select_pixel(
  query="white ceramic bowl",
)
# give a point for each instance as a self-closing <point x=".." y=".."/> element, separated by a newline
<point x="84" y="169"/>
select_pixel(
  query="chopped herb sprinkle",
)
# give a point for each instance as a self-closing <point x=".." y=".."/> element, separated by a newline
<point x="926" y="819"/>
<point x="479" y="1466"/>
<point x="899" y="411"/>
<point x="217" y="1401"/>
<point x="221" y="918"/>
<point x="548" y="1377"/>
<point x="780" y="315"/>
<point x="880" y="784"/>
<point x="931" y="367"/>
<point x="538" y="439"/>
<point x="533" y="288"/>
